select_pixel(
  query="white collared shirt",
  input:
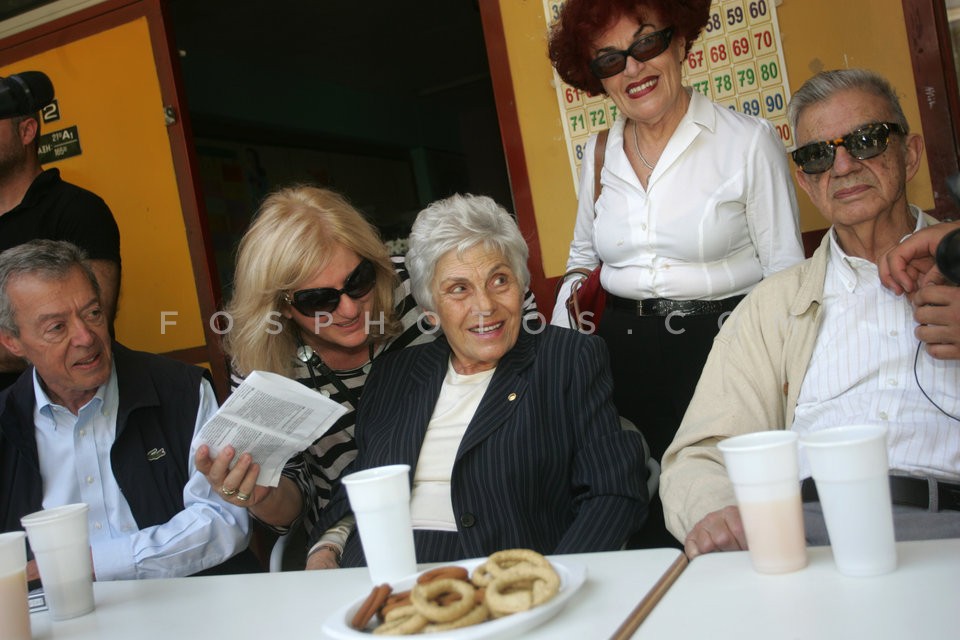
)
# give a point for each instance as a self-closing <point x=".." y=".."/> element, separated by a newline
<point x="862" y="372"/>
<point x="719" y="212"/>
<point x="74" y="453"/>
<point x="75" y="459"/>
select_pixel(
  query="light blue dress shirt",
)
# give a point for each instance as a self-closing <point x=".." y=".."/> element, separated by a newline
<point x="74" y="453"/>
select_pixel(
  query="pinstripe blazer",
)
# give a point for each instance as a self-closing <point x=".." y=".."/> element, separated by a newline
<point x="543" y="464"/>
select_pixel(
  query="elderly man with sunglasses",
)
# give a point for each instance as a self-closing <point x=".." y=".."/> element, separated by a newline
<point x="824" y="343"/>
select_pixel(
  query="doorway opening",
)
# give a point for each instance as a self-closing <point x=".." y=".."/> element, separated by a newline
<point x="389" y="103"/>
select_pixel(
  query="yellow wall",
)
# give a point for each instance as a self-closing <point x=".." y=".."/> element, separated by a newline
<point x="106" y="84"/>
<point x="816" y="35"/>
<point x="548" y="166"/>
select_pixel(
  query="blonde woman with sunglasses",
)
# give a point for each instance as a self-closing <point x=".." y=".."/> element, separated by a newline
<point x="316" y="298"/>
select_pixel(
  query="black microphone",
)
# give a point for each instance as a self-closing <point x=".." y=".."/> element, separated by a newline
<point x="24" y="93"/>
<point x="948" y="256"/>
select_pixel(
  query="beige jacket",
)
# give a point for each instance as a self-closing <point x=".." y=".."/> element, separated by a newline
<point x="750" y="382"/>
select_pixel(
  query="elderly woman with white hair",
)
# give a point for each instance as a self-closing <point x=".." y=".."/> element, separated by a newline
<point x="509" y="427"/>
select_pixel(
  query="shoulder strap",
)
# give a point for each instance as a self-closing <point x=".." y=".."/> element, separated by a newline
<point x="598" y="155"/>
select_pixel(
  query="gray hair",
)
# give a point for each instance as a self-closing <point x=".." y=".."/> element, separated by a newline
<point x="461" y="222"/>
<point x="826" y="83"/>
<point x="48" y="259"/>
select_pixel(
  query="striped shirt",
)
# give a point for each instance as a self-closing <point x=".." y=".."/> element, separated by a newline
<point x="863" y="371"/>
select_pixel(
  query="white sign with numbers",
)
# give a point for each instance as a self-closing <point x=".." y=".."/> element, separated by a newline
<point x="737" y="62"/>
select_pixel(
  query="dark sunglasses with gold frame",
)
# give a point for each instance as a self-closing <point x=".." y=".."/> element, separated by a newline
<point x="867" y="142"/>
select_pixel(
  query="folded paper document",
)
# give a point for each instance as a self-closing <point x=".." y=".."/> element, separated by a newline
<point x="271" y="418"/>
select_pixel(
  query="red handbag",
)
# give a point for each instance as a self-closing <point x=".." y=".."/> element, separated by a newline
<point x="587" y="300"/>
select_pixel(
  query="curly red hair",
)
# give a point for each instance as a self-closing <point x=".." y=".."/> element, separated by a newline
<point x="581" y="22"/>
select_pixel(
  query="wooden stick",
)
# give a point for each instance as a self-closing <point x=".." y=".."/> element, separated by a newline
<point x="650" y="600"/>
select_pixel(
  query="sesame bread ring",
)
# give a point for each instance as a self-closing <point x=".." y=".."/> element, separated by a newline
<point x="502" y="599"/>
<point x="481" y="575"/>
<point x="423" y="595"/>
<point x="403" y="611"/>
<point x="401" y="625"/>
<point x="500" y="561"/>
<point x="475" y="616"/>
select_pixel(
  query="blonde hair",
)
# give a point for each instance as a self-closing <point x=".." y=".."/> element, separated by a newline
<point x="290" y="239"/>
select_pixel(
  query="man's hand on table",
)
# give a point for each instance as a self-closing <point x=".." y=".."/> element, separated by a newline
<point x="718" y="531"/>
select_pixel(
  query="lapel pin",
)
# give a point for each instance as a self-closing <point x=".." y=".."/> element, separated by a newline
<point x="511" y="397"/>
<point x="155" y="454"/>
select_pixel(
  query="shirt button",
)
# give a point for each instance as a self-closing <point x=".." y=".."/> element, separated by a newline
<point x="89" y="479"/>
<point x="894" y="333"/>
<point x="83" y="432"/>
<point x="892" y="382"/>
<point x="97" y="525"/>
<point x="643" y="226"/>
<point x="467" y="520"/>
<point x="883" y="415"/>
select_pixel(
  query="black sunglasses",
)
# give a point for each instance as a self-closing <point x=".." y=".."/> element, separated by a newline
<point x="610" y="63"/>
<point x="866" y="142"/>
<point x="311" y="302"/>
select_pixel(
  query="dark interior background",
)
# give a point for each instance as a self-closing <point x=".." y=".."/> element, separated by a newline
<point x="388" y="102"/>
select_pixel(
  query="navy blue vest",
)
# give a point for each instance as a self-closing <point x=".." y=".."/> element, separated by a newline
<point x="157" y="411"/>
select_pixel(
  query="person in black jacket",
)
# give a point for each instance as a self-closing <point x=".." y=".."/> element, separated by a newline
<point x="508" y="426"/>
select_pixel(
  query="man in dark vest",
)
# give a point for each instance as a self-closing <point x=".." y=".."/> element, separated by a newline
<point x="91" y="421"/>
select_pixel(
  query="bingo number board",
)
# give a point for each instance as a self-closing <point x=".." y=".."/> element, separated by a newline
<point x="737" y="62"/>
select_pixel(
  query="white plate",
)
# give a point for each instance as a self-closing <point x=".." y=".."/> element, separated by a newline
<point x="572" y="575"/>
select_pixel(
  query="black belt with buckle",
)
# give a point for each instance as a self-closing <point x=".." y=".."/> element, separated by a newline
<point x="914" y="492"/>
<point x="666" y="306"/>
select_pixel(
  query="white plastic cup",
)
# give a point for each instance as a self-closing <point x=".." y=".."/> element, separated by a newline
<point x="380" y="499"/>
<point x="14" y="607"/>
<point x="763" y="469"/>
<point x="850" y="467"/>
<point x="60" y="542"/>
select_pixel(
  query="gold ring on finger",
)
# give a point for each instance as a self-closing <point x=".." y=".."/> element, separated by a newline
<point x="242" y="497"/>
<point x="227" y="492"/>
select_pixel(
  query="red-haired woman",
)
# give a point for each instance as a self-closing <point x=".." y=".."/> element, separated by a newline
<point x="696" y="204"/>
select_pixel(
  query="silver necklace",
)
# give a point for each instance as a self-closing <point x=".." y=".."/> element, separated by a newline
<point x="636" y="145"/>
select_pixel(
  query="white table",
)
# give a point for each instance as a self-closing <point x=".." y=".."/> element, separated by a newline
<point x="295" y="604"/>
<point x="720" y="596"/>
